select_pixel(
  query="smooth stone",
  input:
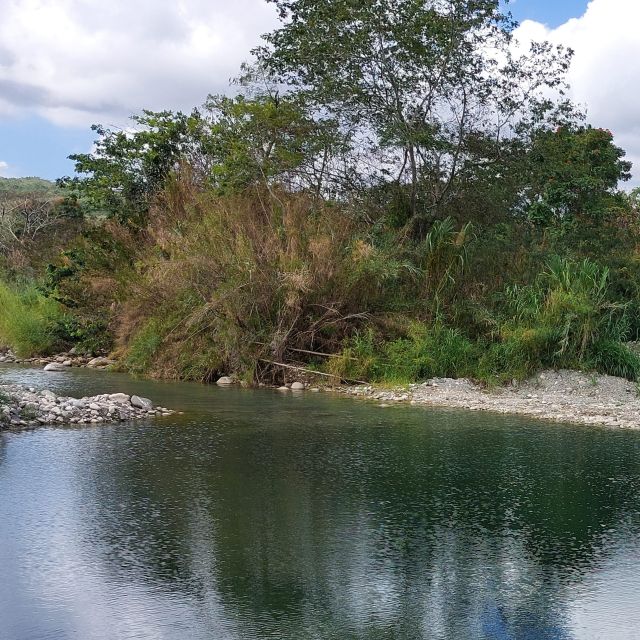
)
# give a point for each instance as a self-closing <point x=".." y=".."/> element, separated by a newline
<point x="99" y="362"/>
<point x="55" y="366"/>
<point x="120" y="397"/>
<point x="141" y="403"/>
<point x="224" y="380"/>
<point x="297" y="386"/>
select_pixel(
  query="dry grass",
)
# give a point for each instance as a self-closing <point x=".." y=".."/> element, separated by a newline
<point x="233" y="280"/>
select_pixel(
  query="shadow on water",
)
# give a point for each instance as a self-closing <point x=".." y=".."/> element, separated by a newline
<point x="255" y="515"/>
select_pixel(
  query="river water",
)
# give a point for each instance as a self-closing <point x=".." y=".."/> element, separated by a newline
<point x="263" y="515"/>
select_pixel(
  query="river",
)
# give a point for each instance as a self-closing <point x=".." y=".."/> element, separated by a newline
<point x="263" y="515"/>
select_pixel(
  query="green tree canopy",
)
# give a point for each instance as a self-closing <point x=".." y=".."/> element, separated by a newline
<point x="429" y="90"/>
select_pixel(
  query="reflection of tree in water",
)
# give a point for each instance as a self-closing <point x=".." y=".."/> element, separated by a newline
<point x="407" y="531"/>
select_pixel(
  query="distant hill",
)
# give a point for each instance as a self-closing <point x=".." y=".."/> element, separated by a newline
<point x="16" y="187"/>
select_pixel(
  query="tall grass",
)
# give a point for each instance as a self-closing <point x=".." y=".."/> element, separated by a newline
<point x="28" y="321"/>
<point x="242" y="279"/>
<point x="565" y="318"/>
<point x="424" y="353"/>
<point x="239" y="283"/>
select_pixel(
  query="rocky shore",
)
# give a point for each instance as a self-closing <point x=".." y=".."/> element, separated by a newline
<point x="562" y="396"/>
<point x="60" y="361"/>
<point x="24" y="407"/>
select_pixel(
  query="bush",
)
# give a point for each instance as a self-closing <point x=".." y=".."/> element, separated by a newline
<point x="615" y="359"/>
<point x="29" y="322"/>
<point x="143" y="347"/>
<point x="425" y="353"/>
<point x="246" y="278"/>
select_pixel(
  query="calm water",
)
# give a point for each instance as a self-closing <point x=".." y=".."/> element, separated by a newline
<point x="258" y="515"/>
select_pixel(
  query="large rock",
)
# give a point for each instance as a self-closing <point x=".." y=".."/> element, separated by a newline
<point x="56" y="366"/>
<point x="121" y="398"/>
<point x="141" y="403"/>
<point x="224" y="381"/>
<point x="297" y="386"/>
<point x="99" y="362"/>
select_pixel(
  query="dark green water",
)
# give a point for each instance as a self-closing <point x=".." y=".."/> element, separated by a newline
<point x="258" y="515"/>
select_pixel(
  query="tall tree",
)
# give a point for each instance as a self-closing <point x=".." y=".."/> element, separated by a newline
<point x="573" y="174"/>
<point x="429" y="89"/>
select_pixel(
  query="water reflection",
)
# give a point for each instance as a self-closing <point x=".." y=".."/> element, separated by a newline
<point x="265" y="517"/>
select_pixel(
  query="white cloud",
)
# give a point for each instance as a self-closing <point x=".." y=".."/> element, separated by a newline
<point x="604" y="76"/>
<point x="81" y="61"/>
<point x="76" y="62"/>
<point x="4" y="169"/>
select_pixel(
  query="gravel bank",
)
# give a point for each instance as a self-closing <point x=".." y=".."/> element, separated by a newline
<point x="60" y="361"/>
<point x="564" y="396"/>
<point x="24" y="407"/>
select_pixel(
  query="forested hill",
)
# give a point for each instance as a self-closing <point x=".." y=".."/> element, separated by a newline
<point x="27" y="187"/>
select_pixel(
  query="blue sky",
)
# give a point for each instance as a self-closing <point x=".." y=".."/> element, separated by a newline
<point x="33" y="146"/>
<point x="553" y="13"/>
<point x="157" y="59"/>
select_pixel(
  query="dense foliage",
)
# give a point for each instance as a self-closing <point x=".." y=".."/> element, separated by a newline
<point x="396" y="185"/>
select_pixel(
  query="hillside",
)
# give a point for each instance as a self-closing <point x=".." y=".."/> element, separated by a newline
<point x="15" y="187"/>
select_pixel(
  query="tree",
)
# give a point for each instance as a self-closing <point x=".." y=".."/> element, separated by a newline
<point x="127" y="168"/>
<point x="265" y="139"/>
<point x="573" y="173"/>
<point x="24" y="218"/>
<point x="430" y="90"/>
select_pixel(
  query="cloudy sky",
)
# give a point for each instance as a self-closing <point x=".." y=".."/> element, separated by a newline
<point x="65" y="64"/>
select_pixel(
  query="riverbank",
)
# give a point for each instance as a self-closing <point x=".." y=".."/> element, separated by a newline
<point x="59" y="361"/>
<point x="27" y="407"/>
<point x="562" y="396"/>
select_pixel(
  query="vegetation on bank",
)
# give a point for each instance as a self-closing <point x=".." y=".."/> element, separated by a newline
<point x="403" y="201"/>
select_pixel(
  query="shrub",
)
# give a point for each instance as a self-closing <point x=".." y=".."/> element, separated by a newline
<point x="28" y="321"/>
<point x="143" y="347"/>
<point x="425" y="353"/>
<point x="246" y="278"/>
<point x="615" y="359"/>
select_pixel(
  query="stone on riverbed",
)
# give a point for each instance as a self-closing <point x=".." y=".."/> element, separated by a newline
<point x="120" y="397"/>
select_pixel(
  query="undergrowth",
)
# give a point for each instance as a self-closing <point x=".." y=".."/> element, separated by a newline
<point x="29" y="322"/>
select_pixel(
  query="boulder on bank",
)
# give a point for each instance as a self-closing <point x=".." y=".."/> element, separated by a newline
<point x="224" y="381"/>
<point x="297" y="386"/>
<point x="100" y="362"/>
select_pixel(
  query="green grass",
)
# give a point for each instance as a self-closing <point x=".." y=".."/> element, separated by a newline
<point x="28" y="321"/>
<point x="143" y="347"/>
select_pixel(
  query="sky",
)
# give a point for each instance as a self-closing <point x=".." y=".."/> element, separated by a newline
<point x="66" y="64"/>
